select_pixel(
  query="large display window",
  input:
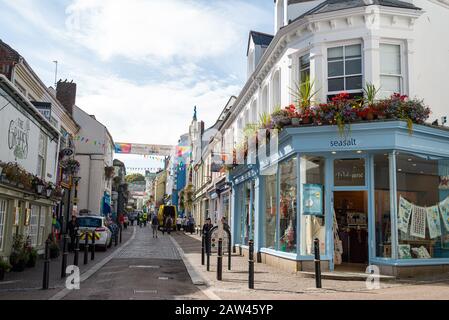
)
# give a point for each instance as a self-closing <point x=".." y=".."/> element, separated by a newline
<point x="288" y="205"/>
<point x="270" y="211"/>
<point x="422" y="207"/>
<point x="313" y="211"/>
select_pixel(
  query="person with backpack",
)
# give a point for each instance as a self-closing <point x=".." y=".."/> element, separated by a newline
<point x="154" y="225"/>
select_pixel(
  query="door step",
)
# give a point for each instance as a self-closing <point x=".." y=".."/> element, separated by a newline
<point x="346" y="276"/>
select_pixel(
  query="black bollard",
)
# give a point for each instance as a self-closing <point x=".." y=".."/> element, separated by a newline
<point x="317" y="263"/>
<point x="116" y="239"/>
<point x="240" y="250"/>
<point x="86" y="247"/>
<point x="64" y="256"/>
<point x="77" y="249"/>
<point x="202" y="249"/>
<point x="229" y="255"/>
<point x="208" y="248"/>
<point x="220" y="260"/>
<point x="46" y="277"/>
<point x="121" y="234"/>
<point x="251" y="265"/>
<point x="92" y="250"/>
<point x="234" y="250"/>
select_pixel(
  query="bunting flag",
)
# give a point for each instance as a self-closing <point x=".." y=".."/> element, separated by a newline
<point x="444" y="210"/>
<point x="404" y="213"/>
<point x="418" y="226"/>
<point x="433" y="220"/>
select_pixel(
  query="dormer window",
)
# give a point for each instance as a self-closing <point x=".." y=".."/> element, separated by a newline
<point x="345" y="70"/>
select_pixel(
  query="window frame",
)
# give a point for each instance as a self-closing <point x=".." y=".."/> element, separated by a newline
<point x="3" y="214"/>
<point x="344" y="60"/>
<point x="402" y="62"/>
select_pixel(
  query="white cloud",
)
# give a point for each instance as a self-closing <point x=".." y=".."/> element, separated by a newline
<point x="143" y="29"/>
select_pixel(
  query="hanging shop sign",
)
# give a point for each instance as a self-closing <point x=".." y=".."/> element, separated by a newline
<point x="313" y="199"/>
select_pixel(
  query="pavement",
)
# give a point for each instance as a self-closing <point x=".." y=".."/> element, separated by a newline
<point x="275" y="284"/>
<point x="27" y="285"/>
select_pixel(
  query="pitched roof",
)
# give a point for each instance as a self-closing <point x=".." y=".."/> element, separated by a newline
<point x="260" y="39"/>
<point x="335" y="5"/>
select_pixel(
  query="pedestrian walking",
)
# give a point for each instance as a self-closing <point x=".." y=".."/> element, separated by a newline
<point x="168" y="224"/>
<point x="178" y="223"/>
<point x="139" y="218"/>
<point x="154" y="225"/>
<point x="206" y="228"/>
<point x="191" y="224"/>
<point x="73" y="229"/>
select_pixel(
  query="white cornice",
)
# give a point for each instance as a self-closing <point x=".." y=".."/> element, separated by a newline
<point x="443" y="3"/>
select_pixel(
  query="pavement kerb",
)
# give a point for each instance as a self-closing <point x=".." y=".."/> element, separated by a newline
<point x="196" y="277"/>
<point x="87" y="274"/>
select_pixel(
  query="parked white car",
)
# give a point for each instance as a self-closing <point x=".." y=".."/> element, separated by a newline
<point x="98" y="224"/>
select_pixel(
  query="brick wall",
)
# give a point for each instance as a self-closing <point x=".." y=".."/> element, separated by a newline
<point x="66" y="94"/>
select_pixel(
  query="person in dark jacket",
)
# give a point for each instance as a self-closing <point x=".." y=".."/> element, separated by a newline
<point x="73" y="229"/>
<point x="206" y="228"/>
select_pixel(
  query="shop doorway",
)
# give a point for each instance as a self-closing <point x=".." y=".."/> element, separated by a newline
<point x="351" y="218"/>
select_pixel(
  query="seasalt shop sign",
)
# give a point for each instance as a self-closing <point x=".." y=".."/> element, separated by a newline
<point x="344" y="143"/>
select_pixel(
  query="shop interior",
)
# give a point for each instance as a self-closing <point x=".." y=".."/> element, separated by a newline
<point x="351" y="225"/>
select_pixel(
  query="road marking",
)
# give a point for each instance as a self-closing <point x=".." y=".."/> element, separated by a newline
<point x="145" y="291"/>
<point x="163" y="278"/>
<point x="86" y="275"/>
<point x="144" y="267"/>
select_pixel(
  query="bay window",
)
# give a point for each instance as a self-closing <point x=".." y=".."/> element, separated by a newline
<point x="270" y="211"/>
<point x="288" y="205"/>
<point x="304" y="68"/>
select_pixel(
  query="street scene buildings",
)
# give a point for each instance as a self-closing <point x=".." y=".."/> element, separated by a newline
<point x="333" y="152"/>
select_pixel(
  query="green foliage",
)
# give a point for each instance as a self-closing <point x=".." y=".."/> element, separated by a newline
<point x="370" y="93"/>
<point x="135" y="177"/>
<point x="4" y="265"/>
<point x="304" y="93"/>
<point x="264" y="120"/>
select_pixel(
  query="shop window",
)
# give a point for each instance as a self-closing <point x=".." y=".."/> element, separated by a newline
<point x="247" y="216"/>
<point x="313" y="210"/>
<point x="34" y="221"/>
<point x="423" y="207"/>
<point x="390" y="69"/>
<point x="270" y="211"/>
<point x="3" y="208"/>
<point x="349" y="172"/>
<point x="226" y="206"/>
<point x="288" y="205"/>
<point x="345" y="69"/>
<point x="382" y="205"/>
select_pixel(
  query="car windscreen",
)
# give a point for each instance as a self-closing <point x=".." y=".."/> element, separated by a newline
<point x="89" y="222"/>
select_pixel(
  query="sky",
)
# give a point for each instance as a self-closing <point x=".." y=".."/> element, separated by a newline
<point x="140" y="65"/>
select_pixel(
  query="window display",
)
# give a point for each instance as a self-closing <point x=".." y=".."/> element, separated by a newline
<point x="382" y="205"/>
<point x="313" y="211"/>
<point x="422" y="207"/>
<point x="270" y="211"/>
<point x="288" y="193"/>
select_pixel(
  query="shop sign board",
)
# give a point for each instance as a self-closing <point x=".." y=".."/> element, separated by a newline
<point x="144" y="149"/>
<point x="313" y="199"/>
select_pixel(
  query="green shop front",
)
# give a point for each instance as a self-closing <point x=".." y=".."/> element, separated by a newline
<point x="377" y="194"/>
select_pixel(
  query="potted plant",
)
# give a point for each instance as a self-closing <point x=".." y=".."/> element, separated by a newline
<point x="32" y="257"/>
<point x="4" y="267"/>
<point x="19" y="255"/>
<point x="281" y="118"/>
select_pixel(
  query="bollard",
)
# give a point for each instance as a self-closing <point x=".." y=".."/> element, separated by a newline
<point x="240" y="250"/>
<point x="208" y="248"/>
<point x="229" y="256"/>
<point x="77" y="249"/>
<point x="116" y="239"/>
<point x="220" y="260"/>
<point x="234" y="250"/>
<point x="64" y="256"/>
<point x="251" y="265"/>
<point x="92" y="250"/>
<point x="317" y="263"/>
<point x="86" y="247"/>
<point x="121" y="233"/>
<point x="46" y="278"/>
<point x="202" y="249"/>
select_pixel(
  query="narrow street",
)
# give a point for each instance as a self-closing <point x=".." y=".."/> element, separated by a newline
<point x="145" y="269"/>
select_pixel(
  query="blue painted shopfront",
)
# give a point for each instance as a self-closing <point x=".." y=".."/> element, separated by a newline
<point x="379" y="164"/>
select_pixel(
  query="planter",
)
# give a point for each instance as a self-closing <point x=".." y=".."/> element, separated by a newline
<point x="2" y="274"/>
<point x="295" y="121"/>
<point x="19" y="266"/>
<point x="306" y="120"/>
<point x="370" y="116"/>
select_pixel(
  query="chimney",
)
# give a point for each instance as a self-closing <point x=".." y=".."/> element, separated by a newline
<point x="66" y="94"/>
